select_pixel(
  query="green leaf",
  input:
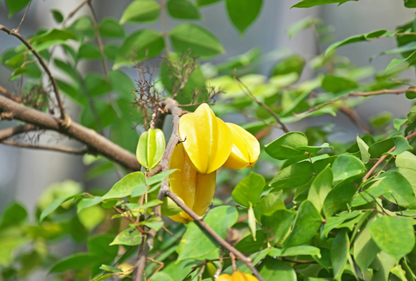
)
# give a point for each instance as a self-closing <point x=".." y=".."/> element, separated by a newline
<point x="198" y="40"/>
<point x="252" y="221"/>
<point x="141" y="11"/>
<point x="273" y="269"/>
<point x="13" y="214"/>
<point x="57" y="15"/>
<point x="285" y="146"/>
<point x="400" y="188"/>
<point x="110" y="28"/>
<point x="269" y="204"/>
<point x="410" y="3"/>
<point x="335" y="222"/>
<point x="336" y="84"/>
<point x="341" y="195"/>
<point x="88" y="202"/>
<point x="83" y="27"/>
<point x="125" y="186"/>
<point x="53" y="34"/>
<point x="161" y="276"/>
<point x="292" y="64"/>
<point x="401" y="145"/>
<point x="196" y="242"/>
<point x="138" y="190"/>
<point x="406" y="160"/>
<point x="365" y="155"/>
<point x="346" y="166"/>
<point x="15" y="6"/>
<point x="242" y="13"/>
<point x="304" y="250"/>
<point x="377" y="149"/>
<point x="411" y="59"/>
<point x="308" y="221"/>
<point x="293" y="176"/>
<point x="89" y="51"/>
<point x="381" y="120"/>
<point x="399" y="272"/>
<point x="105" y="113"/>
<point x="339" y="252"/>
<point x="312" y="3"/>
<point x="302" y="24"/>
<point x="130" y="237"/>
<point x="99" y="246"/>
<point x="200" y="3"/>
<point x="110" y="268"/>
<point x="96" y="85"/>
<point x="393" y="235"/>
<point x="53" y="206"/>
<point x="248" y="190"/>
<point x="159" y="177"/>
<point x="314" y="149"/>
<point x="110" y="51"/>
<point x="121" y="84"/>
<point x="248" y="245"/>
<point x="365" y="249"/>
<point x="74" y="262"/>
<point x="183" y="9"/>
<point x="141" y="44"/>
<point x="320" y="188"/>
<point x="277" y="224"/>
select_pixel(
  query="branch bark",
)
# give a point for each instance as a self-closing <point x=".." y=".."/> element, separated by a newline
<point x="95" y="142"/>
<point x="43" y="64"/>
<point x="69" y="150"/>
<point x="12" y="131"/>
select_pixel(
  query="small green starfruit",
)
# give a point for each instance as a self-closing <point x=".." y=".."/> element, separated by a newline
<point x="150" y="148"/>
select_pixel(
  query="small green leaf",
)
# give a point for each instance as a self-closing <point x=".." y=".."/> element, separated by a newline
<point x="110" y="51"/>
<point x="57" y="15"/>
<point x="304" y="250"/>
<point x="110" y="268"/>
<point x="341" y="195"/>
<point x="141" y="44"/>
<point x="314" y="149"/>
<point x="141" y="11"/>
<point x="269" y="204"/>
<point x="243" y="13"/>
<point x="320" y="188"/>
<point x="200" y="3"/>
<point x="365" y="249"/>
<point x="308" y="221"/>
<point x="110" y="28"/>
<point x="285" y="146"/>
<point x="252" y="221"/>
<point x="96" y="85"/>
<point x="13" y="214"/>
<point x="339" y="252"/>
<point x="15" y="6"/>
<point x="248" y="245"/>
<point x="293" y="176"/>
<point x="74" y="262"/>
<point x="121" y="84"/>
<point x="336" y="84"/>
<point x="53" y="34"/>
<point x="183" y="9"/>
<point x="53" y="206"/>
<point x="401" y="145"/>
<point x="277" y="224"/>
<point x="411" y="59"/>
<point x="88" y="202"/>
<point x="346" y="166"/>
<point x="99" y="246"/>
<point x="393" y="235"/>
<point x="381" y="120"/>
<point x="89" y="51"/>
<point x="365" y="155"/>
<point x="158" y="178"/>
<point x="292" y="64"/>
<point x="196" y="242"/>
<point x="273" y="269"/>
<point x="125" y="186"/>
<point x="377" y="149"/>
<point x="196" y="39"/>
<point x="130" y="237"/>
<point x="161" y="276"/>
<point x="334" y="222"/>
<point x="248" y="191"/>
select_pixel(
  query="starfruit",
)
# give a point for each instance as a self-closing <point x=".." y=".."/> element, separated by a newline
<point x="150" y="148"/>
<point x="207" y="139"/>
<point x="237" y="276"/>
<point x="194" y="188"/>
<point x="245" y="150"/>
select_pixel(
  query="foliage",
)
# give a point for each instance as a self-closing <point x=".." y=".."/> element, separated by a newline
<point x="310" y="209"/>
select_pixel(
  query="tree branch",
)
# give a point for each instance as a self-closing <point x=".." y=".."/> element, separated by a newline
<point x="382" y="159"/>
<point x="44" y="66"/>
<point x="172" y="107"/>
<point x="95" y="142"/>
<point x="12" y="131"/>
<point x="10" y="96"/>
<point x="247" y="91"/>
<point x="43" y="147"/>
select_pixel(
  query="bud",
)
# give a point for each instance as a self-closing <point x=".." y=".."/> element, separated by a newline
<point x="195" y="189"/>
<point x="207" y="139"/>
<point x="150" y="148"/>
<point x="245" y="150"/>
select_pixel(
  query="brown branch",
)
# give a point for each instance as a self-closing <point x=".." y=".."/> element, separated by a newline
<point x="12" y="131"/>
<point x="247" y="91"/>
<point x="51" y="148"/>
<point x="95" y="142"/>
<point x="24" y="16"/>
<point x="44" y="66"/>
<point x="354" y="94"/>
<point x="382" y="159"/>
<point x="299" y="261"/>
<point x="355" y="118"/>
<point x="10" y="96"/>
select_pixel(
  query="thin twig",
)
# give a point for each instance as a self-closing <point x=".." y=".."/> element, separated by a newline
<point x="382" y="159"/>
<point x="68" y="150"/>
<point x="233" y="262"/>
<point x="10" y="96"/>
<point x="353" y="94"/>
<point x="354" y="117"/>
<point x="163" y="17"/>
<point x="23" y="18"/>
<point x="129" y="219"/>
<point x="71" y="14"/>
<point x="299" y="261"/>
<point x="64" y="117"/>
<point x="218" y="272"/>
<point x="16" y="130"/>
<point x="247" y="91"/>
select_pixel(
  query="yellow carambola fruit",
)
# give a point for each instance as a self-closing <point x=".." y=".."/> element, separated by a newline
<point x="237" y="276"/>
<point x="194" y="188"/>
<point x="245" y="150"/>
<point x="207" y="139"/>
<point x="150" y="148"/>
